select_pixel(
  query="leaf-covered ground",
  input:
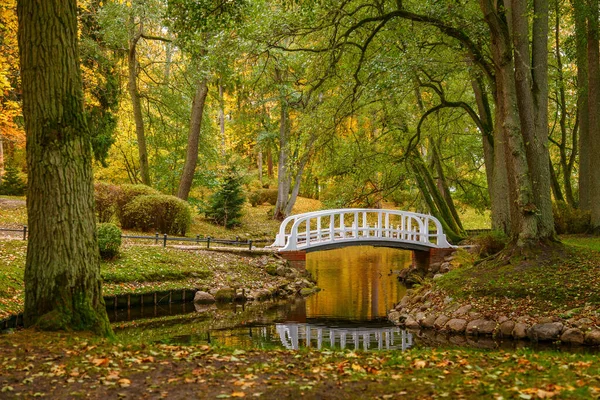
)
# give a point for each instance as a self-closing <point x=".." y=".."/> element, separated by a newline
<point x="65" y="366"/>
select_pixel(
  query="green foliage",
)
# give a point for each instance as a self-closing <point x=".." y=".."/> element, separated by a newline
<point x="12" y="184"/>
<point x="490" y="243"/>
<point x="109" y="240"/>
<point x="227" y="202"/>
<point x="568" y="219"/>
<point x="261" y="196"/>
<point x="157" y="212"/>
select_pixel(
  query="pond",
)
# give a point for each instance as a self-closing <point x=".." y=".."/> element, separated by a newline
<point x="359" y="285"/>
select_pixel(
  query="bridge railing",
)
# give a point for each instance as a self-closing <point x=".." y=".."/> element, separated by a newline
<point x="301" y="231"/>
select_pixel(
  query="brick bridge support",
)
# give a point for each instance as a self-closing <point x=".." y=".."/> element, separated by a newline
<point x="296" y="259"/>
<point x="421" y="260"/>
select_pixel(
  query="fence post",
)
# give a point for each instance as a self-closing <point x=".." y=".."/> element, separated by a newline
<point x="24" y="232"/>
<point x="208" y="242"/>
<point x="156" y="238"/>
<point x="165" y="240"/>
<point x="197" y="239"/>
<point x="250" y="245"/>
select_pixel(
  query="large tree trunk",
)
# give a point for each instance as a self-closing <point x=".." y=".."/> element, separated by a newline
<point x="593" y="108"/>
<point x="1" y="158"/>
<point x="62" y="270"/>
<point x="137" y="108"/>
<point x="531" y="79"/>
<point x="191" y="156"/>
<point x="509" y="136"/>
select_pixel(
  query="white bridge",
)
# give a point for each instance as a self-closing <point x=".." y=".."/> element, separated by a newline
<point x="360" y="226"/>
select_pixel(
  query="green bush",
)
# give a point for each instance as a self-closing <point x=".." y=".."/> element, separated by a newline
<point x="109" y="240"/>
<point x="127" y="193"/>
<point x="225" y="206"/>
<point x="12" y="184"/>
<point x="261" y="196"/>
<point x="570" y="220"/>
<point x="106" y="198"/>
<point x="157" y="213"/>
<point x="490" y="243"/>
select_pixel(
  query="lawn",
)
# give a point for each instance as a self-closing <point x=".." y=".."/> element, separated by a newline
<point x="145" y="269"/>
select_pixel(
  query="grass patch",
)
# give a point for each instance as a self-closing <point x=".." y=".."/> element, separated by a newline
<point x="144" y="269"/>
<point x="550" y="279"/>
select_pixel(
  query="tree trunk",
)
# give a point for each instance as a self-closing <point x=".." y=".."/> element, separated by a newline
<point x="62" y="269"/>
<point x="222" y="119"/>
<point x="494" y="158"/>
<point x="558" y="196"/>
<point x="593" y="107"/>
<point x="191" y="156"/>
<point x="137" y="108"/>
<point x="580" y="16"/>
<point x="270" y="163"/>
<point x="1" y="158"/>
<point x="259" y="166"/>
<point x="566" y="162"/>
<point x="531" y="79"/>
<point x="283" y="169"/>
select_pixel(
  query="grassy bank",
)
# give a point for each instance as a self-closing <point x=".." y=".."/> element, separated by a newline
<point x="562" y="280"/>
<point x="144" y="269"/>
<point x="61" y="366"/>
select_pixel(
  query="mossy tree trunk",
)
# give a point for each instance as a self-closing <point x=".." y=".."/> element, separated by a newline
<point x="62" y="271"/>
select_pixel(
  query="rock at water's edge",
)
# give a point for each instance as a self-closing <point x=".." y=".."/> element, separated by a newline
<point x="204" y="298"/>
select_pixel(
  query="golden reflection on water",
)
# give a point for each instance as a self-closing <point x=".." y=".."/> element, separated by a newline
<point x="357" y="282"/>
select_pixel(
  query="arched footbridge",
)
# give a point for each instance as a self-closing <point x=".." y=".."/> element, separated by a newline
<point x="329" y="229"/>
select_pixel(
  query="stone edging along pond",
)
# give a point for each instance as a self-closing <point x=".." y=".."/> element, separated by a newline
<point x="430" y="311"/>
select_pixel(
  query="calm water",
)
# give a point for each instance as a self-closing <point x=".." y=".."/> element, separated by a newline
<point x="359" y="286"/>
<point x="358" y="283"/>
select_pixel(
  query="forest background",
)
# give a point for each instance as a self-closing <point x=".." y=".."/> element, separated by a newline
<point x="354" y="103"/>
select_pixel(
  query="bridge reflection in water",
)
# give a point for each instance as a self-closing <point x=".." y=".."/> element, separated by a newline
<point x="292" y="335"/>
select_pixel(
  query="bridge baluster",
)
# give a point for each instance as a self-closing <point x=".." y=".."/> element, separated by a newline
<point x="387" y="224"/>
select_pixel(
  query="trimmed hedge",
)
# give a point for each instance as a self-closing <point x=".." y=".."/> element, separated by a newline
<point x="106" y="197"/>
<point x="157" y="213"/>
<point x="127" y="194"/>
<point x="109" y="240"/>
<point x="261" y="196"/>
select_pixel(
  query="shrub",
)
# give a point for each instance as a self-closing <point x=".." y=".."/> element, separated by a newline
<point x="106" y="198"/>
<point x="127" y="193"/>
<point x="568" y="219"/>
<point x="261" y="196"/>
<point x="157" y="212"/>
<point x="490" y="243"/>
<point x="12" y="184"/>
<point x="225" y="207"/>
<point x="109" y="240"/>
